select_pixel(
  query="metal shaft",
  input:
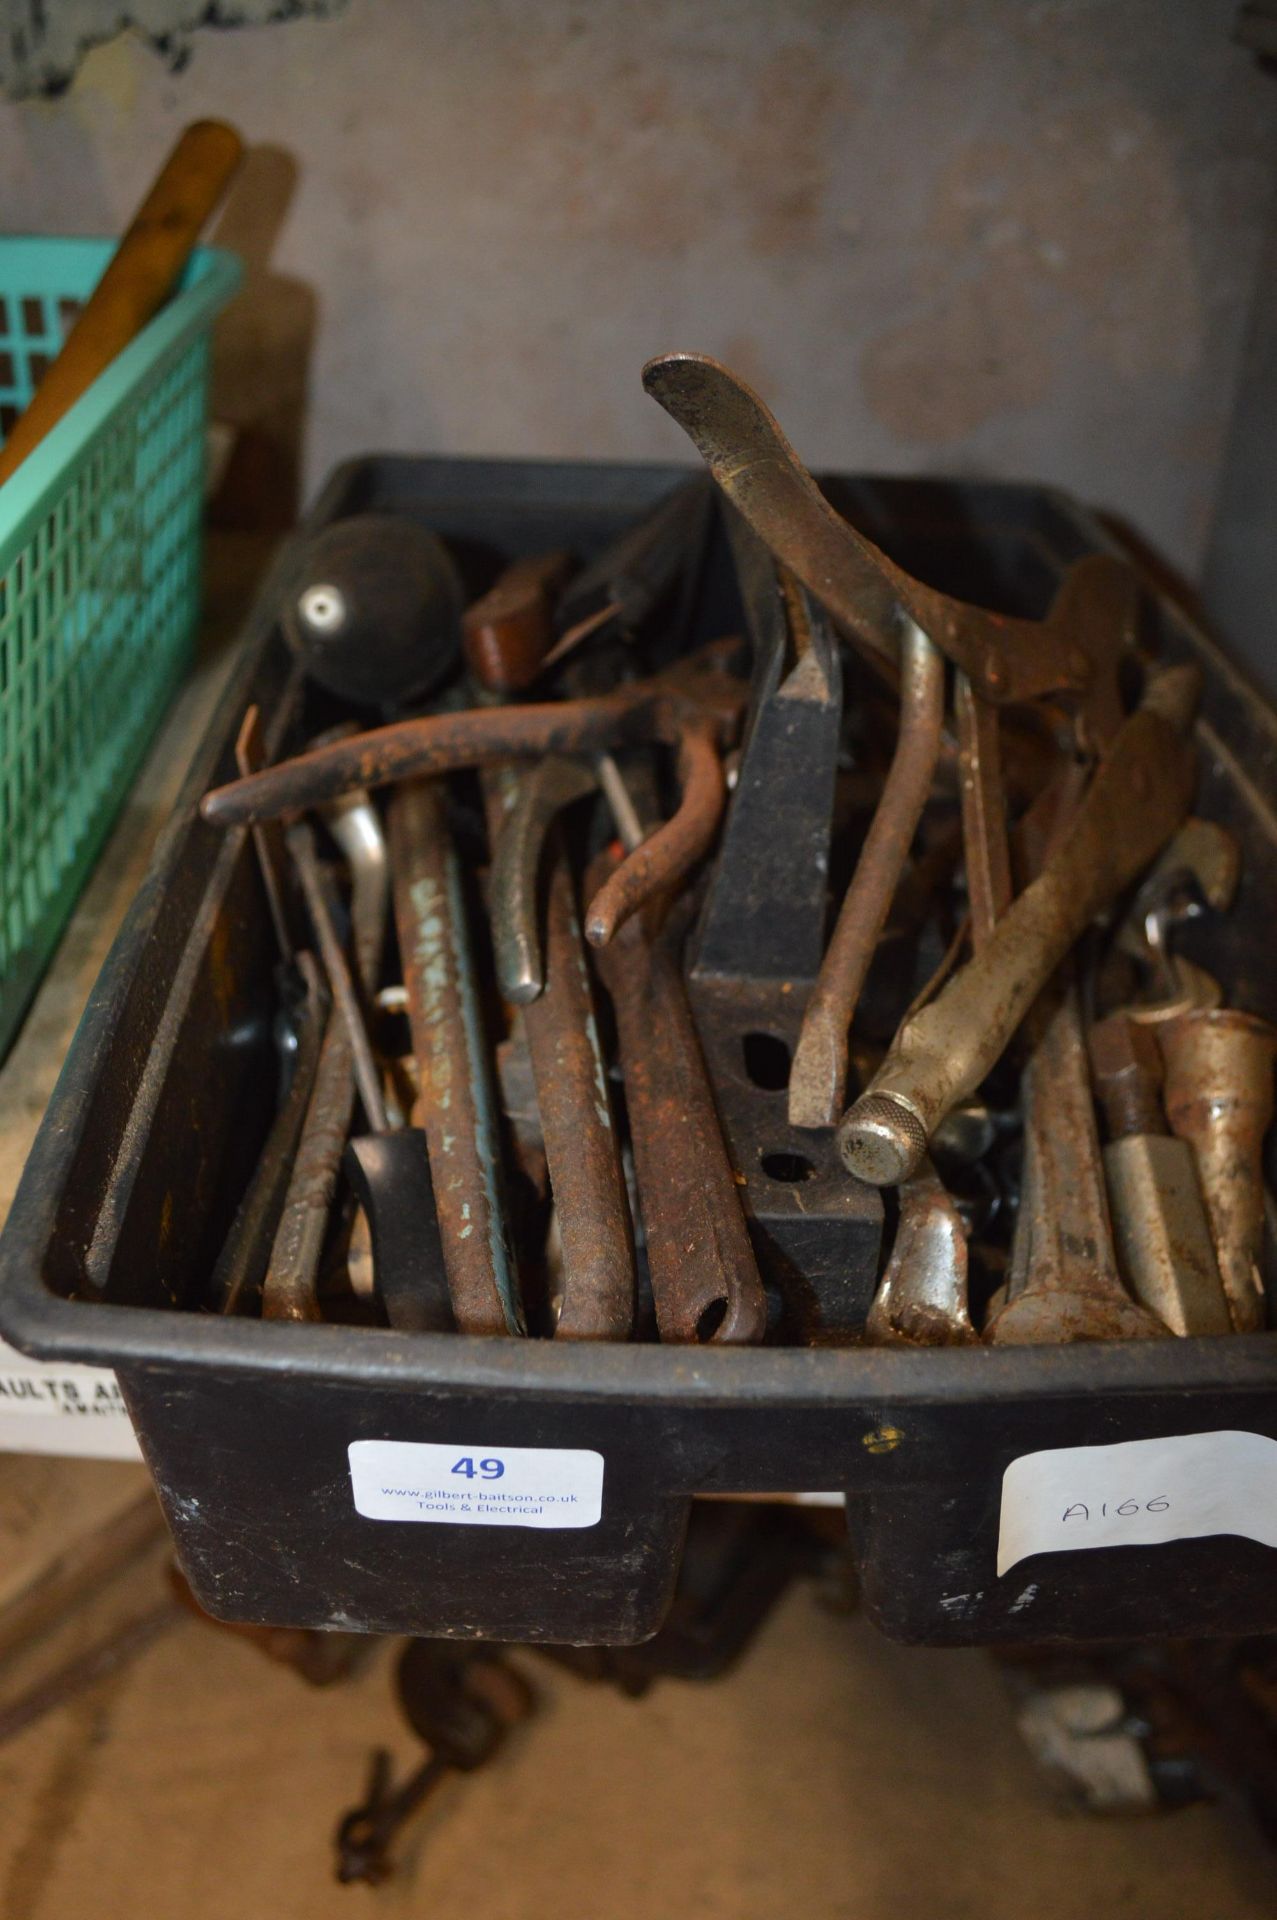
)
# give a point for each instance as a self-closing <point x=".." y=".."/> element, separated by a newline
<point x="579" y="1131"/>
<point x="704" y="1277"/>
<point x="922" y="1300"/>
<point x="818" y="1078"/>
<point x="670" y="853"/>
<point x="986" y="854"/>
<point x="1219" y="1098"/>
<point x="942" y="1053"/>
<point x="455" y="1104"/>
<point x="288" y="1292"/>
<point x="1065" y="1284"/>
<point x="521" y="813"/>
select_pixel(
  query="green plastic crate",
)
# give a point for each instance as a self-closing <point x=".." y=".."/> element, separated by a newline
<point x="100" y="547"/>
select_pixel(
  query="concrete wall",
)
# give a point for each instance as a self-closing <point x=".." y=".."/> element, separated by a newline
<point x="983" y="236"/>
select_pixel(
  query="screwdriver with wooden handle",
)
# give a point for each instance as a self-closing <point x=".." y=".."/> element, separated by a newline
<point x="143" y="271"/>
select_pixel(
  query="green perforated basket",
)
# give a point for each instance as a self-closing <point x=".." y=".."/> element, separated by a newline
<point x="99" y="579"/>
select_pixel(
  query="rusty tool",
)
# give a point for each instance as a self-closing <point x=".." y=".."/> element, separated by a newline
<point x="441" y="743"/>
<point x="141" y="275"/>
<point x="288" y="1291"/>
<point x="238" y="1276"/>
<point x="986" y="854"/>
<point x="461" y="1702"/>
<point x="268" y="839"/>
<point x="1198" y="870"/>
<point x="704" y="1277"/>
<point x="578" y="1126"/>
<point x="551" y="986"/>
<point x="1006" y="659"/>
<point x="923" y="1296"/>
<point x="1219" y="1098"/>
<point x="1064" y="1283"/>
<point x="666" y="856"/>
<point x="1160" y="1226"/>
<point x="317" y="891"/>
<point x="922" y="1300"/>
<point x="532" y="803"/>
<point x="389" y="1170"/>
<point x="818" y="1077"/>
<point x="377" y="614"/>
<point x="454" y="1103"/>
<point x="508" y="631"/>
<point x="1138" y="796"/>
<point x="692" y="706"/>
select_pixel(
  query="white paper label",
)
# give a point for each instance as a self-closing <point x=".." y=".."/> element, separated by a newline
<point x="49" y="1407"/>
<point x="1139" y="1493"/>
<point x="468" y="1485"/>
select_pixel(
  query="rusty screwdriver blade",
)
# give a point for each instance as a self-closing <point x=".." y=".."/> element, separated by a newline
<point x="455" y="1103"/>
<point x="705" y="1280"/>
<point x="579" y="1131"/>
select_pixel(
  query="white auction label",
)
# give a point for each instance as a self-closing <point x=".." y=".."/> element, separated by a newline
<point x="474" y="1486"/>
<point x="1139" y="1493"/>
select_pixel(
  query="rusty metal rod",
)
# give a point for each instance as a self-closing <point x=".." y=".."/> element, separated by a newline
<point x="454" y="1103"/>
<point x="705" y="1280"/>
<point x="1066" y="1285"/>
<point x="319" y="903"/>
<point x="818" y="1077"/>
<point x="578" y="1126"/>
<point x="669" y="854"/>
<point x="288" y="1291"/>
<point x="986" y="852"/>
<point x="438" y="743"/>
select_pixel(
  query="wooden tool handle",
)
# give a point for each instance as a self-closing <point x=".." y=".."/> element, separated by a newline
<point x="142" y="273"/>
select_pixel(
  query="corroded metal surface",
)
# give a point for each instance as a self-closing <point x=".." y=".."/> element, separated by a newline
<point x="1064" y="1283"/>
<point x="1007" y="659"/>
<point x="923" y="1297"/>
<point x="507" y="632"/>
<point x="288" y="1291"/>
<point x="986" y="854"/>
<point x="1137" y="798"/>
<point x="438" y="743"/>
<point x="242" y="1265"/>
<point x="579" y="1131"/>
<point x="1162" y="1234"/>
<point x="705" y="1280"/>
<point x="1219" y="1098"/>
<point x="668" y="855"/>
<point x="818" y="1078"/>
<point x="454" y="1103"/>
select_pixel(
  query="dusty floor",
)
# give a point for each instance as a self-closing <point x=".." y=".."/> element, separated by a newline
<point x="831" y="1775"/>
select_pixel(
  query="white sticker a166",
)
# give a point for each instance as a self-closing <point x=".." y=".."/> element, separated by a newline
<point x="1139" y="1493"/>
<point x="469" y="1485"/>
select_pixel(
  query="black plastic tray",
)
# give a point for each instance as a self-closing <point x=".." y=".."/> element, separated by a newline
<point x="165" y="1097"/>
